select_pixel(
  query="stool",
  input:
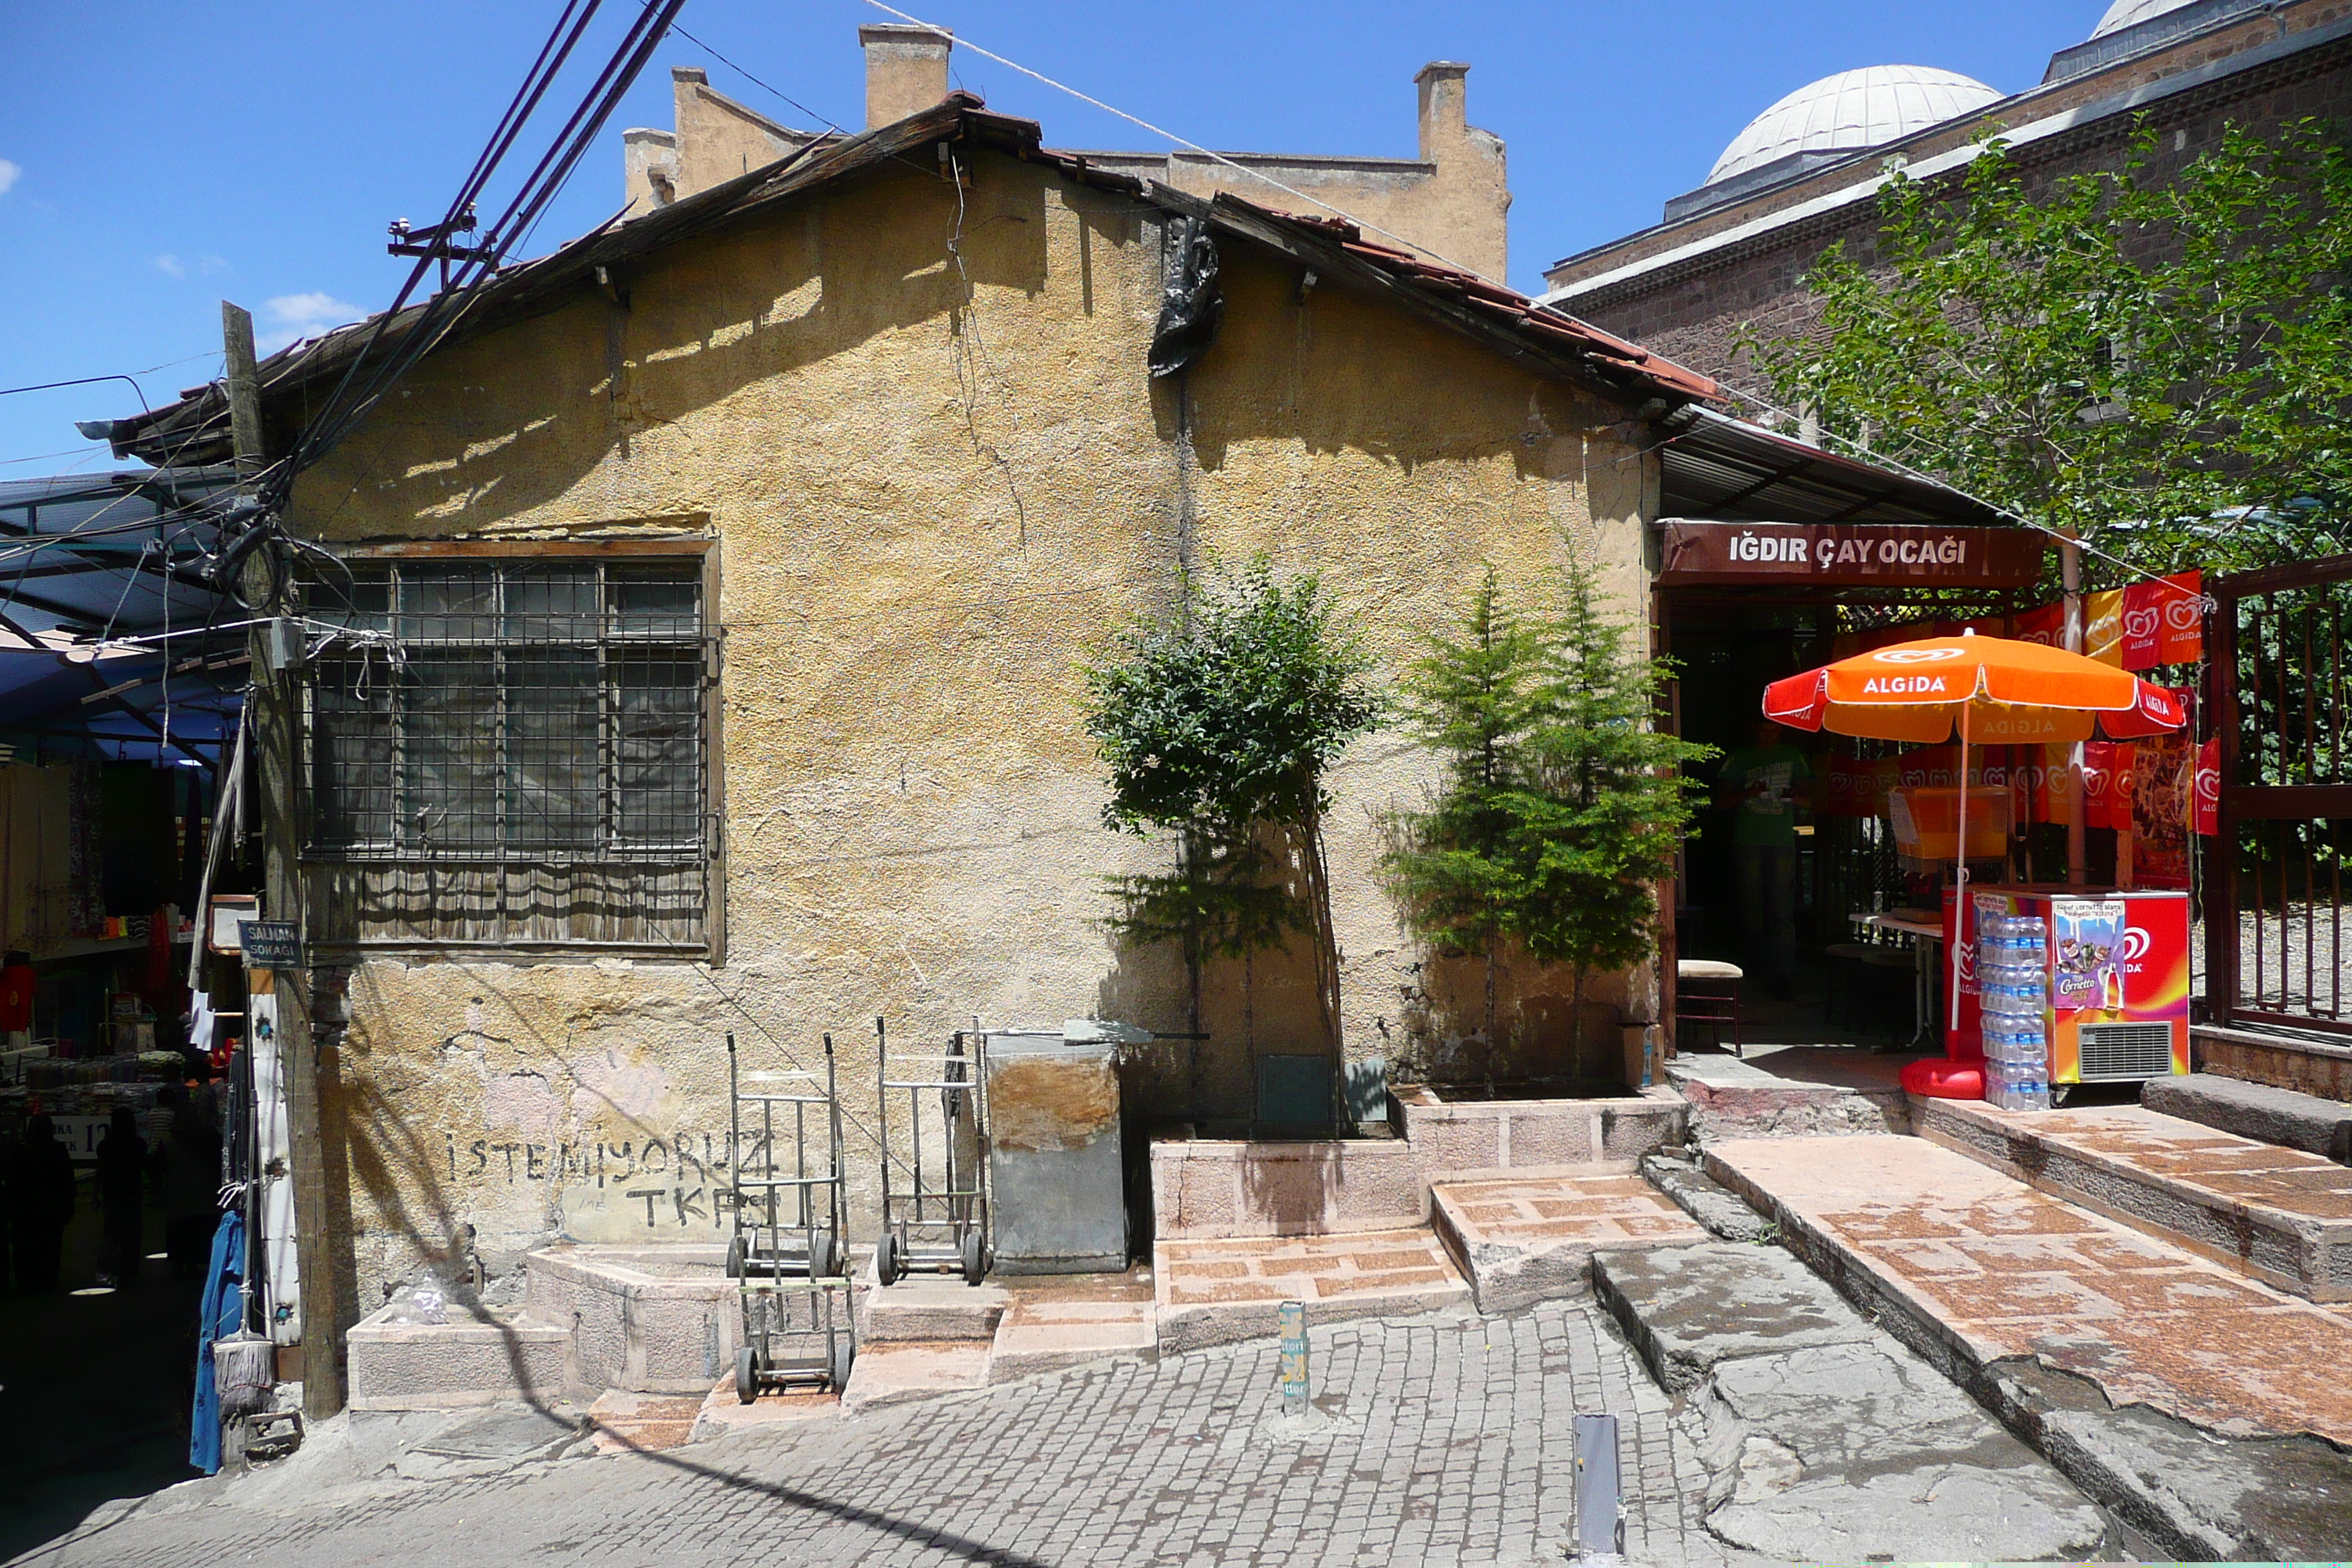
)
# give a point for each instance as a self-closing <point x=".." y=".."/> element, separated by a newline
<point x="1846" y="960"/>
<point x="1707" y="991"/>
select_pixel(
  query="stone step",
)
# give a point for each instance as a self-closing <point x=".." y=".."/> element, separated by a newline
<point x="1826" y="1440"/>
<point x="2280" y="1215"/>
<point x="1209" y="1292"/>
<point x="1804" y="1091"/>
<point x="1050" y="1330"/>
<point x="2207" y="1411"/>
<point x="2257" y="1111"/>
<point x="929" y="1307"/>
<point x="900" y="1373"/>
<point x="497" y="1355"/>
<point x="1525" y="1239"/>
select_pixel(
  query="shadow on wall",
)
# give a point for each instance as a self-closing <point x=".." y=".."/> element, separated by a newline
<point x="700" y="322"/>
<point x="1445" y="1042"/>
<point x="1260" y="1005"/>
<point x="390" y="1160"/>
<point x="1337" y="371"/>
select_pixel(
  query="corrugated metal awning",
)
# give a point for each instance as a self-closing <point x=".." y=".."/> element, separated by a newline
<point x="1726" y="470"/>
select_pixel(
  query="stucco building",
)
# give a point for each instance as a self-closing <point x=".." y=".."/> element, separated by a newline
<point x="1449" y="204"/>
<point x="701" y="653"/>
<point x="1805" y="174"/>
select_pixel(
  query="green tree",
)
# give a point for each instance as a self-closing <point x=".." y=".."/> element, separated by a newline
<point x="2155" y="360"/>
<point x="1562" y="805"/>
<point x="1218" y="722"/>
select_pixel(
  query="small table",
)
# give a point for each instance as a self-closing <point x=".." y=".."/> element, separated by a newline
<point x="1925" y="927"/>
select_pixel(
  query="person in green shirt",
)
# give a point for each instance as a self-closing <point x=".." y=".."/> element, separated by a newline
<point x="1763" y="784"/>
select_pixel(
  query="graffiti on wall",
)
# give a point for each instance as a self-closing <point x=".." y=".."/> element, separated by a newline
<point x="623" y="1189"/>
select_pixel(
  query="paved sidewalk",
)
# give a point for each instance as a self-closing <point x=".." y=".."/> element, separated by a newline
<point x="2010" y="1272"/>
<point x="1450" y="1442"/>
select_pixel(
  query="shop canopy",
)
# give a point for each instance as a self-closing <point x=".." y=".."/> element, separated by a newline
<point x="109" y="639"/>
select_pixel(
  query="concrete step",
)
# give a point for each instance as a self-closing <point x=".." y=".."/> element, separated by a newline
<point x="1525" y="1239"/>
<point x="2256" y="1110"/>
<point x="1209" y="1292"/>
<point x="2280" y="1215"/>
<point x="1719" y="1211"/>
<point x="2207" y="1411"/>
<point x="1050" y="1326"/>
<point x="496" y="1356"/>
<point x="1826" y="1440"/>
<point x="901" y="1373"/>
<point x="1804" y="1091"/>
<point x="929" y="1307"/>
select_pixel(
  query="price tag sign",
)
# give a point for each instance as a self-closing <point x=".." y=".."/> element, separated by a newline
<point x="271" y="944"/>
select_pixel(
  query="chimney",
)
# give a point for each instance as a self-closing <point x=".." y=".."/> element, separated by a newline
<point x="1444" y="110"/>
<point x="906" y="71"/>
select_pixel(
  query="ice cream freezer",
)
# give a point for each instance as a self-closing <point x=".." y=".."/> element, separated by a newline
<point x="2113" y="971"/>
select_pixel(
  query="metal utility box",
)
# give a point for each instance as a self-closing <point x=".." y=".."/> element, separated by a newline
<point x="1057" y="1184"/>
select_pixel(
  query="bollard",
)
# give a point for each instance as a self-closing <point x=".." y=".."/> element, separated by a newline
<point x="1599" y="1527"/>
<point x="1293" y="1319"/>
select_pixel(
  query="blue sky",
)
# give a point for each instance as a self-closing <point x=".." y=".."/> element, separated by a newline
<point x="159" y="155"/>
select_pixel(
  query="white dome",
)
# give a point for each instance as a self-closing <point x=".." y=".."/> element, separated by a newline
<point x="1853" y="109"/>
<point x="2130" y="13"/>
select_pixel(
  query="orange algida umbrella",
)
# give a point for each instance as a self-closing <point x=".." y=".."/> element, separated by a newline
<point x="1991" y="690"/>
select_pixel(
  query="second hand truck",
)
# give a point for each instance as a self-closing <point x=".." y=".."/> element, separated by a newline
<point x="938" y="1221"/>
<point x="785" y="1254"/>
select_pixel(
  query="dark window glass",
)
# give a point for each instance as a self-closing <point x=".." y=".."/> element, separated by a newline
<point x="658" y="749"/>
<point x="520" y="709"/>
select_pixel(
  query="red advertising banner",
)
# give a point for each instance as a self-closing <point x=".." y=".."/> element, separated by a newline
<point x="2050" y="793"/>
<point x="2184" y="620"/>
<point x="2143" y="624"/>
<point x="2046" y="626"/>
<point x="2206" y="807"/>
<point x="1856" y="787"/>
<point x="2098" y="784"/>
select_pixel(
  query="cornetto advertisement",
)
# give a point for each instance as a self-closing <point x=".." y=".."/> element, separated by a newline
<point x="1846" y="555"/>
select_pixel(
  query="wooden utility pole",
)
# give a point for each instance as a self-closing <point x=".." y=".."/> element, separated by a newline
<point x="276" y="697"/>
<point x="244" y="386"/>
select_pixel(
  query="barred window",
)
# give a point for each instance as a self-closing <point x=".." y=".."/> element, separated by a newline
<point x="502" y="712"/>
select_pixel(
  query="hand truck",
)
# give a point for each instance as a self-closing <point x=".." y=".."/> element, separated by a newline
<point x="938" y="1221"/>
<point x="785" y="1253"/>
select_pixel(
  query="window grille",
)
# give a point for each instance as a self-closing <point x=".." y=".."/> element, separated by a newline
<point x="504" y="713"/>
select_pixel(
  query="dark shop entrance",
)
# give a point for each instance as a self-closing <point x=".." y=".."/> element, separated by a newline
<point x="1794" y="874"/>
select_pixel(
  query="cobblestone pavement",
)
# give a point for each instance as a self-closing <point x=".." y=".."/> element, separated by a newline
<point x="1449" y="1441"/>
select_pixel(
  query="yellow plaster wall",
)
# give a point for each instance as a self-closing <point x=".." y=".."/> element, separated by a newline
<point x="935" y="491"/>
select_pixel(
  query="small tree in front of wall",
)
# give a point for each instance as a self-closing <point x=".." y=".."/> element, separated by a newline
<point x="1562" y="806"/>
<point x="1218" y="722"/>
<point x="1474" y="697"/>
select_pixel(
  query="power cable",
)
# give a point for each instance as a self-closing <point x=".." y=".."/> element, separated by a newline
<point x="755" y="82"/>
<point x="962" y="42"/>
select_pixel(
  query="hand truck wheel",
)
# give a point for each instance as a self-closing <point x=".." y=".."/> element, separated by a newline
<point x="822" y="1262"/>
<point x="747" y="1375"/>
<point x="735" y="1258"/>
<point x="886" y="1258"/>
<point x="975" y="1256"/>
<point x="838" y="1359"/>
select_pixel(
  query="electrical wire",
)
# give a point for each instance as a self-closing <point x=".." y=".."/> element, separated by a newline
<point x="356" y="393"/>
<point x="755" y="82"/>
<point x="965" y="43"/>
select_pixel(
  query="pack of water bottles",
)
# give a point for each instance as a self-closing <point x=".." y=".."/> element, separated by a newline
<point x="2014" y="989"/>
